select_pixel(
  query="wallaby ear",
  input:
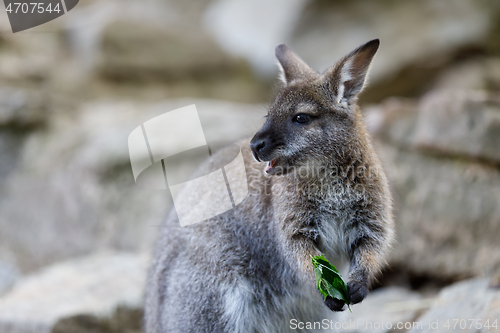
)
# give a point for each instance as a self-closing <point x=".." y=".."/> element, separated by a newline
<point x="347" y="78"/>
<point x="292" y="67"/>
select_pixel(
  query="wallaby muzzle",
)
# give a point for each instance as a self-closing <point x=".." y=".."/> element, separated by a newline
<point x="263" y="144"/>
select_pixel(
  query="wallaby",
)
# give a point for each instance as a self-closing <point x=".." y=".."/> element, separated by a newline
<point x="323" y="191"/>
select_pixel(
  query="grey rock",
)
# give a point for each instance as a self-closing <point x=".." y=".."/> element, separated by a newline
<point x="381" y="311"/>
<point x="187" y="61"/>
<point x="394" y="120"/>
<point x="328" y="29"/>
<point x="463" y="307"/>
<point x="463" y="123"/>
<point x="138" y="50"/>
<point x="324" y="31"/>
<point x="29" y="59"/>
<point x="8" y="277"/>
<point x="233" y="25"/>
<point x="447" y="214"/>
<point x="458" y="123"/>
<point x="21" y="108"/>
<point x="440" y="157"/>
<point x="97" y="287"/>
<point x="72" y="190"/>
<point x="123" y="320"/>
<point x="476" y="74"/>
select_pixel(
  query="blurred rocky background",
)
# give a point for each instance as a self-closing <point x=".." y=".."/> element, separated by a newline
<point x="75" y="230"/>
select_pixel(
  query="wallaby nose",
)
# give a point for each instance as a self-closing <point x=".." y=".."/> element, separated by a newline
<point x="261" y="145"/>
<point x="257" y="146"/>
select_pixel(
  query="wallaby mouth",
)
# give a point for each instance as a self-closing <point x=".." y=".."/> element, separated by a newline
<point x="263" y="149"/>
<point x="270" y="166"/>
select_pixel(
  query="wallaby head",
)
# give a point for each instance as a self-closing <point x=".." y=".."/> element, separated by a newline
<point x="314" y="118"/>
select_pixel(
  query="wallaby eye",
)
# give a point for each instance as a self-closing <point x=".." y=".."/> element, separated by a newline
<point x="302" y="118"/>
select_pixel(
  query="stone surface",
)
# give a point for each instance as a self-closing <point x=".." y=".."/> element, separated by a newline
<point x="216" y="39"/>
<point x="327" y="29"/>
<point x="382" y="310"/>
<point x="186" y="61"/>
<point x="96" y="287"/>
<point x="8" y="277"/>
<point x="324" y="31"/>
<point x="233" y="25"/>
<point x="461" y="123"/>
<point x="162" y="53"/>
<point x="21" y="108"/>
<point x="123" y="320"/>
<point x="440" y="158"/>
<point x="463" y="307"/>
<point x="447" y="214"/>
<point x="394" y="120"/>
<point x="477" y="74"/>
<point x="456" y="122"/>
<point x="71" y="189"/>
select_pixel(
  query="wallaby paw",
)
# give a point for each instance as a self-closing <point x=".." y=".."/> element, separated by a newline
<point x="357" y="291"/>
<point x="334" y="304"/>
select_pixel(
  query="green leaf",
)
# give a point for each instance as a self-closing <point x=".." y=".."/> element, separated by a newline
<point x="329" y="281"/>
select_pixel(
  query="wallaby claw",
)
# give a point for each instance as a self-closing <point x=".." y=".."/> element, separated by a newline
<point x="334" y="304"/>
<point x="357" y="291"/>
